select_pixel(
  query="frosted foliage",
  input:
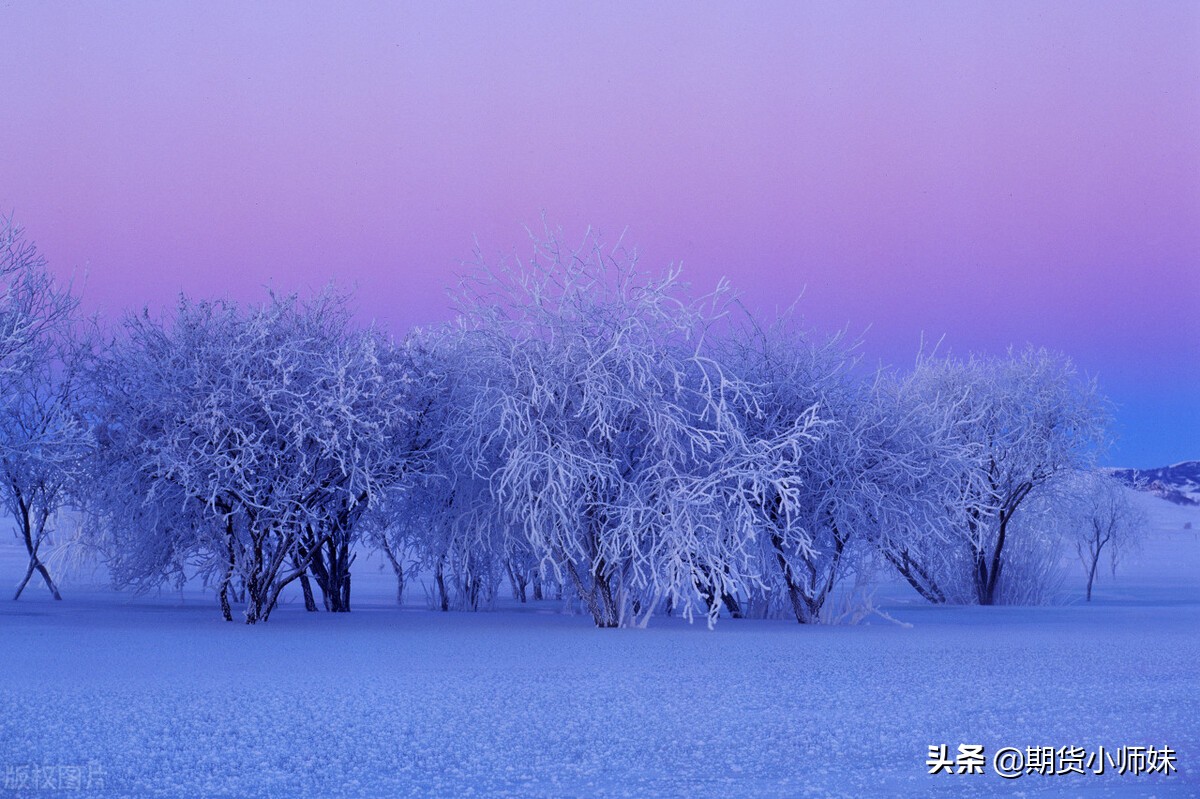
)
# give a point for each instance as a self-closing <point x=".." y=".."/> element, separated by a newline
<point x="806" y="518"/>
<point x="608" y="434"/>
<point x="232" y="434"/>
<point x="1086" y="517"/>
<point x="30" y="306"/>
<point x="43" y="438"/>
<point x="583" y="428"/>
<point x="872" y="479"/>
<point x="1013" y="426"/>
<point x="443" y="511"/>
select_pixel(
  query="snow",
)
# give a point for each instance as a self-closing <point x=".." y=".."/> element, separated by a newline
<point x="159" y="697"/>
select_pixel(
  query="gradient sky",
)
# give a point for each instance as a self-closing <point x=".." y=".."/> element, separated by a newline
<point x="1000" y="173"/>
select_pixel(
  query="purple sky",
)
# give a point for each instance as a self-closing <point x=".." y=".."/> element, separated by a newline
<point x="995" y="173"/>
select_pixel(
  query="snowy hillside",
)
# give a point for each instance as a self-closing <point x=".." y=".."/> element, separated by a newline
<point x="1178" y="483"/>
<point x="155" y="696"/>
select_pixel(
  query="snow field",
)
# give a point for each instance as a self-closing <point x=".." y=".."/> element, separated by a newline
<point x="164" y="699"/>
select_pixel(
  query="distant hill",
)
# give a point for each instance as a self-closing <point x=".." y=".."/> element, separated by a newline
<point x="1179" y="483"/>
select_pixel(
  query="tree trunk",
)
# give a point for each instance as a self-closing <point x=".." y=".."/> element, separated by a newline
<point x="987" y="577"/>
<point x="612" y="616"/>
<point x="223" y="595"/>
<point x="439" y="576"/>
<point x="470" y="591"/>
<point x="223" y="591"/>
<point x="31" y="546"/>
<point x="256" y="609"/>
<point x="1092" y="574"/>
<point x="988" y="596"/>
<point x="916" y="577"/>
<point x="519" y="581"/>
<point x="40" y="568"/>
<point x="330" y="566"/>
<point x="261" y="588"/>
<point x="320" y="573"/>
<point x="598" y="598"/>
<point x="795" y="596"/>
<point x="340" y="560"/>
<point x="24" y="580"/>
<point x="512" y="577"/>
<point x="310" y="604"/>
<point x="398" y="569"/>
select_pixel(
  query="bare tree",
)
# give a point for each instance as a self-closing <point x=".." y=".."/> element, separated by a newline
<point x="1104" y="519"/>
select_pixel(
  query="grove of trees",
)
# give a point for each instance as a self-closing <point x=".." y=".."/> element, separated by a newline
<point x="583" y="430"/>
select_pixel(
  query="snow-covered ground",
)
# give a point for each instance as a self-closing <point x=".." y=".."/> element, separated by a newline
<point x="156" y="696"/>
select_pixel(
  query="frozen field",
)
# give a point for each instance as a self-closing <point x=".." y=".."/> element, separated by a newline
<point x="156" y="696"/>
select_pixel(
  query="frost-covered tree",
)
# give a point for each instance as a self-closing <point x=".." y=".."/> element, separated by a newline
<point x="919" y="532"/>
<point x="43" y="438"/>
<point x="1103" y="520"/>
<point x="804" y="512"/>
<point x="1010" y="426"/>
<point x="364" y="392"/>
<point x="46" y="443"/>
<point x="1089" y="513"/>
<point x="32" y="308"/>
<point x="247" y="442"/>
<point x="600" y="426"/>
<point x="443" y="512"/>
<point x="872" y="479"/>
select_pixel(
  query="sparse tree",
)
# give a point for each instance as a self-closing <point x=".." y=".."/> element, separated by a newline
<point x="1105" y="520"/>
<point x="43" y="438"/>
